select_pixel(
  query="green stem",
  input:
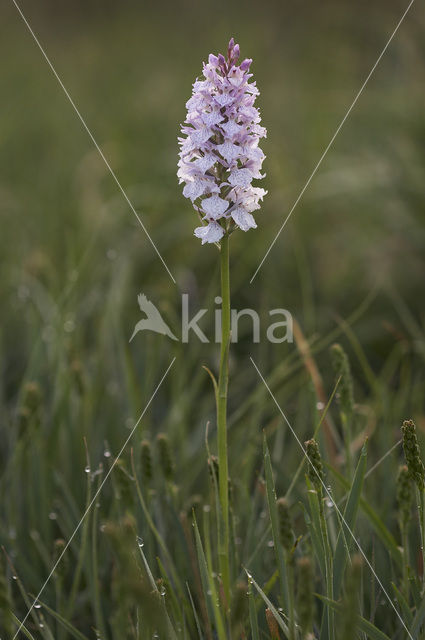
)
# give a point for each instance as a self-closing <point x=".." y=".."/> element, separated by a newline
<point x="405" y="545"/>
<point x="222" y="418"/>
<point x="421" y="508"/>
<point x="291" y="585"/>
<point x="347" y="442"/>
<point x="100" y="625"/>
<point x="81" y="553"/>
<point x="329" y="571"/>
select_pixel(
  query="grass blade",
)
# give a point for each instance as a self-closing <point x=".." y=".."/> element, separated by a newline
<point x="171" y="632"/>
<point x="381" y="530"/>
<point x="404" y="606"/>
<point x="313" y="524"/>
<point x="253" y="615"/>
<point x="65" y="624"/>
<point x="418" y="619"/>
<point x="208" y="585"/>
<point x="23" y="629"/>
<point x="272" y="608"/>
<point x="195" y="615"/>
<point x="367" y="627"/>
<point x="344" y="540"/>
<point x="271" y="500"/>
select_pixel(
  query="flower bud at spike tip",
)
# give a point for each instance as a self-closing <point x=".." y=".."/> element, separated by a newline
<point x="315" y="467"/>
<point x="164" y="455"/>
<point x="286" y="533"/>
<point x="412" y="453"/>
<point x="404" y="495"/>
<point x="219" y="153"/>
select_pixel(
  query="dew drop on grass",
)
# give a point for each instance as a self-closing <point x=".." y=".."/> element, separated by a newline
<point x="14" y="577"/>
<point x="140" y="542"/>
<point x="87" y="469"/>
<point x="162" y="592"/>
<point x="107" y="453"/>
<point x="270" y="543"/>
<point x="37" y="605"/>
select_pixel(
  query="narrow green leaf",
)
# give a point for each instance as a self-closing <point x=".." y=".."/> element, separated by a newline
<point x="344" y="541"/>
<point x="195" y="615"/>
<point x="170" y="564"/>
<point x="171" y="631"/>
<point x="255" y="634"/>
<point x="367" y="627"/>
<point x="174" y="604"/>
<point x="65" y="624"/>
<point x="208" y="584"/>
<point x="415" y="589"/>
<point x="407" y="613"/>
<point x="381" y="530"/>
<point x="313" y="524"/>
<point x="271" y="499"/>
<point x="418" y="619"/>
<point x="316" y="431"/>
<point x="24" y="630"/>
<point x="272" y="608"/>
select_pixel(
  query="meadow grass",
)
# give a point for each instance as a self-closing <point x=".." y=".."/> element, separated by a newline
<point x="145" y="562"/>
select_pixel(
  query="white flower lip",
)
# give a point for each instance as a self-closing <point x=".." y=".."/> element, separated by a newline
<point x="243" y="219"/>
<point x="214" y="206"/>
<point x="228" y="150"/>
<point x="240" y="178"/>
<point x="211" y="232"/>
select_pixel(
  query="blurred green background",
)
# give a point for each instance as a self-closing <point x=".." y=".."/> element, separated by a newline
<point x="74" y="257"/>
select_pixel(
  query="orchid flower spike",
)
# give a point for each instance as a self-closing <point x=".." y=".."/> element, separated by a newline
<point x="219" y="153"/>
